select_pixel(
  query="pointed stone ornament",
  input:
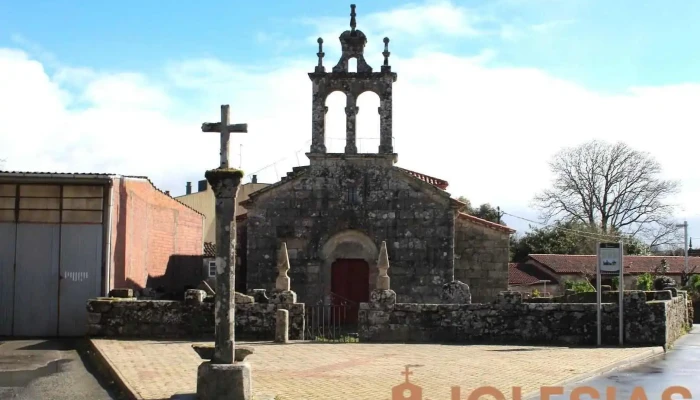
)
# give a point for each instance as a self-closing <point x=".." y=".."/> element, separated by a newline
<point x="383" y="266"/>
<point x="283" y="282"/>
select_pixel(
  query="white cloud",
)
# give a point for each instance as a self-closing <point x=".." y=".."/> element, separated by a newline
<point x="488" y="131"/>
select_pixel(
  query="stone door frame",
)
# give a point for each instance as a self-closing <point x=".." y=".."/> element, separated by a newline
<point x="347" y="244"/>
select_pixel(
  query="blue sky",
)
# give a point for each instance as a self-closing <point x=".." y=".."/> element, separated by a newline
<point x="603" y="44"/>
<point x="487" y="90"/>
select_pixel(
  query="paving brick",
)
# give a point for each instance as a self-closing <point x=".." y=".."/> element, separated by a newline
<point x="309" y="371"/>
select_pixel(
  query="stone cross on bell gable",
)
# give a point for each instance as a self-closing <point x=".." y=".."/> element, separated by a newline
<point x="225" y="129"/>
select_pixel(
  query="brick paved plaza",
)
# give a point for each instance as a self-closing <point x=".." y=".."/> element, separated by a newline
<point x="308" y="371"/>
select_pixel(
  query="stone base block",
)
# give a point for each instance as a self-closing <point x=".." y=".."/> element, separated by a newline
<point x="243" y="299"/>
<point x="283" y="297"/>
<point x="456" y="292"/>
<point x="382" y="298"/>
<point x="224" y="381"/>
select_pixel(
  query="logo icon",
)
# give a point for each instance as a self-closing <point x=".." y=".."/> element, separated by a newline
<point x="407" y="390"/>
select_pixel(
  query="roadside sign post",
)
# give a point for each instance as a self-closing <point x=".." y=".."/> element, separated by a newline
<point x="610" y="258"/>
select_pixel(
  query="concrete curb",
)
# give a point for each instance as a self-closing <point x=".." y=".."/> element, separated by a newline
<point x="105" y="368"/>
<point x="626" y="363"/>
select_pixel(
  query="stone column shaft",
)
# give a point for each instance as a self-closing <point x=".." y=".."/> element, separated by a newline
<point x="318" y="121"/>
<point x="224" y="183"/>
<point x="350" y="126"/>
<point x="385" y="127"/>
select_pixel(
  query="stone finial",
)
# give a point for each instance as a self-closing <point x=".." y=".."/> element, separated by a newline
<point x="386" y="53"/>
<point x="353" y="23"/>
<point x="320" y="54"/>
<point x="383" y="266"/>
<point x="282" y="267"/>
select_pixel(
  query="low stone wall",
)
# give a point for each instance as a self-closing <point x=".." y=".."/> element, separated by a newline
<point x="127" y="317"/>
<point x="510" y="320"/>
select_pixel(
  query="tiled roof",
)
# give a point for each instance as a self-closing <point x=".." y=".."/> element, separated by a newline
<point x="209" y="249"/>
<point x="438" y="183"/>
<point x="486" y="223"/>
<point x="516" y="276"/>
<point x="573" y="264"/>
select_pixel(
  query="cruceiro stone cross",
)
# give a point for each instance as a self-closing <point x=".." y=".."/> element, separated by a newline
<point x="226" y="376"/>
<point x="225" y="129"/>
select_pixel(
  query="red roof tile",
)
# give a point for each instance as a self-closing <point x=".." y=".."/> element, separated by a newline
<point x="516" y="276"/>
<point x="209" y="249"/>
<point x="573" y="264"/>
<point x="438" y="183"/>
<point x="486" y="223"/>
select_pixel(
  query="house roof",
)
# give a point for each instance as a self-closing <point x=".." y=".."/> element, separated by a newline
<point x="576" y="264"/>
<point x="516" y="276"/>
<point x="209" y="249"/>
<point x="438" y="183"/>
<point x="528" y="274"/>
<point x="486" y="223"/>
<point x="85" y="176"/>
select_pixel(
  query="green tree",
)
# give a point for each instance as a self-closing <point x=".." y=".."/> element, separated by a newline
<point x="485" y="211"/>
<point x="645" y="281"/>
<point x="570" y="237"/>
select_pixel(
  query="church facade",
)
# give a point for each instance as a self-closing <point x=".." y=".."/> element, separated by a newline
<point x="334" y="213"/>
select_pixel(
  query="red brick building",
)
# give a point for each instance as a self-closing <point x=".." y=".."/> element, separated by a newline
<point x="151" y="228"/>
<point x="65" y="238"/>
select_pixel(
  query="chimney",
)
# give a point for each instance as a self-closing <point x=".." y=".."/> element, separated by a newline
<point x="255" y="179"/>
<point x="202" y="186"/>
<point x="188" y="188"/>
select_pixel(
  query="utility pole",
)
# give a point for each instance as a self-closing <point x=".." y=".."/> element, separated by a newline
<point x="684" y="225"/>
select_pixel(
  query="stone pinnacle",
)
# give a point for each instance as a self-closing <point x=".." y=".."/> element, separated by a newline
<point x="383" y="266"/>
<point x="282" y="282"/>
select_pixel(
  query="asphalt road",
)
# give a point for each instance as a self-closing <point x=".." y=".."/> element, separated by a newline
<point x="679" y="366"/>
<point x="48" y="369"/>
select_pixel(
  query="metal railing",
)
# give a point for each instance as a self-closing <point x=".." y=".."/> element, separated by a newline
<point x="332" y="323"/>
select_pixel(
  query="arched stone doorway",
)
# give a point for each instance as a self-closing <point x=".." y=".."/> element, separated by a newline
<point x="348" y="265"/>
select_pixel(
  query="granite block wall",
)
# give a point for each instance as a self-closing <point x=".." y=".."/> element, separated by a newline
<point x="510" y="320"/>
<point x="131" y="318"/>
<point x="364" y="195"/>
<point x="481" y="260"/>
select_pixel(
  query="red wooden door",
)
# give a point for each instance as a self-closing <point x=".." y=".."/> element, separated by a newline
<point x="349" y="286"/>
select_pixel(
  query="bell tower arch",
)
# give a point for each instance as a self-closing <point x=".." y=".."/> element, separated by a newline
<point x="353" y="84"/>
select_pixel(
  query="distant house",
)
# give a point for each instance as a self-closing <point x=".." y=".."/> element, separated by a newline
<point x="209" y="257"/>
<point x="203" y="201"/>
<point x="66" y="238"/>
<point x="526" y="278"/>
<point x="578" y="267"/>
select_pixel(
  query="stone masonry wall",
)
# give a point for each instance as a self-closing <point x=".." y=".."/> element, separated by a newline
<point x="130" y="318"/>
<point x="481" y="260"/>
<point x="510" y="320"/>
<point x="359" y="193"/>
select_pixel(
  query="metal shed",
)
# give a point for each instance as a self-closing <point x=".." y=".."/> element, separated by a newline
<point x="54" y="246"/>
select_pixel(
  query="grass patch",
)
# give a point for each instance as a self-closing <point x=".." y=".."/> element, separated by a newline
<point x="342" y="339"/>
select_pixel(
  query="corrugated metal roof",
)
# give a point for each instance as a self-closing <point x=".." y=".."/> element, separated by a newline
<point x="85" y="175"/>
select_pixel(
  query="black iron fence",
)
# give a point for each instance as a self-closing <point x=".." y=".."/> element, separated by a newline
<point x="333" y="323"/>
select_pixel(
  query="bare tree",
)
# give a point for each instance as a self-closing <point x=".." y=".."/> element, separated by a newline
<point x="613" y="187"/>
<point x="2" y="163"/>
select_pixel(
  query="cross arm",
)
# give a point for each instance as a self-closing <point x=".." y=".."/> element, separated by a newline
<point x="216" y="127"/>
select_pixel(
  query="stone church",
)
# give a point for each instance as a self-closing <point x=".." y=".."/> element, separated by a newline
<point x="334" y="213"/>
